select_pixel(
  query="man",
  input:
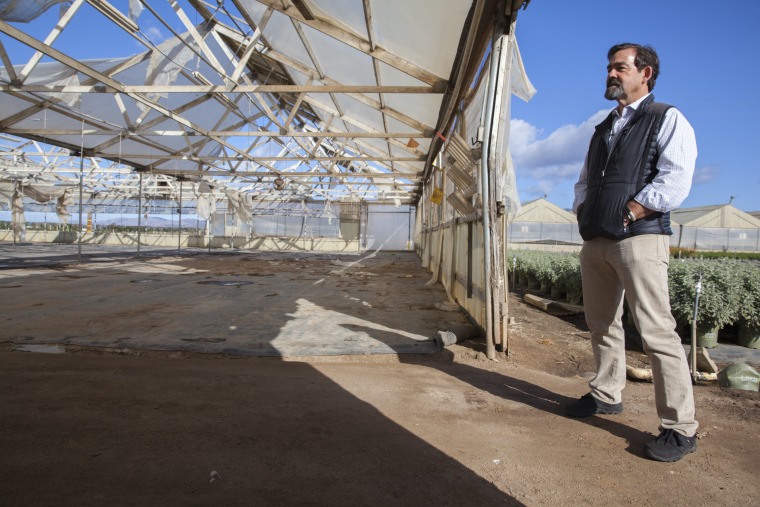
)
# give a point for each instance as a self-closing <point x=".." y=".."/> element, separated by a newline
<point x="638" y="168"/>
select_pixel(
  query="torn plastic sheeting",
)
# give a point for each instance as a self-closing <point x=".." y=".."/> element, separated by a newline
<point x="135" y="9"/>
<point x="40" y="193"/>
<point x="18" y="221"/>
<point x="241" y="204"/>
<point x="60" y="208"/>
<point x="26" y="10"/>
<point x="205" y="206"/>
<point x="170" y="58"/>
<point x="43" y="192"/>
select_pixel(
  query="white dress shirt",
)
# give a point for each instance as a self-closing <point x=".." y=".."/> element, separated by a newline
<point x="678" y="155"/>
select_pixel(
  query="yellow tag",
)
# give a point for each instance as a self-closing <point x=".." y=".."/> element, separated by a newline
<point x="437" y="197"/>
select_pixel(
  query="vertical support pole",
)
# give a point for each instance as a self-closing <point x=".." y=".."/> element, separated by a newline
<point x="486" y="204"/>
<point x="13" y="225"/>
<point x="504" y="306"/>
<point x="179" y="213"/>
<point x="469" y="260"/>
<point x="453" y="263"/>
<point x="363" y="219"/>
<point x="428" y="205"/>
<point x="698" y="290"/>
<point x="139" y="212"/>
<point x="81" y="197"/>
<point x="485" y="161"/>
<point x="409" y="231"/>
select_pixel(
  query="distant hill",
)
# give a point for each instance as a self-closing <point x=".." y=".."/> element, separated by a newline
<point x="106" y="219"/>
<point x="157" y="222"/>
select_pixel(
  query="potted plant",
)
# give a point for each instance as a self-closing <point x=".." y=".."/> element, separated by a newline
<point x="545" y="272"/>
<point x="680" y="283"/>
<point x="519" y="269"/>
<point x="749" y="311"/>
<point x="573" y="283"/>
<point x="562" y="265"/>
<point x="533" y="269"/>
<point x="719" y="301"/>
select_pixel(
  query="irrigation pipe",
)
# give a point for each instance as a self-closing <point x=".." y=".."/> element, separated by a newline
<point x="694" y="373"/>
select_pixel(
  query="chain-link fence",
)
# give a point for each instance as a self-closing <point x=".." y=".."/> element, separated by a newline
<point x="710" y="238"/>
<point x="694" y="238"/>
<point x="540" y="232"/>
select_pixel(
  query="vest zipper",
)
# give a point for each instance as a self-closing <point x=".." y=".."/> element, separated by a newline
<point x="604" y="170"/>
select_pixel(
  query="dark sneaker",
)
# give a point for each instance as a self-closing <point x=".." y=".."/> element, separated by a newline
<point x="670" y="446"/>
<point x="588" y="406"/>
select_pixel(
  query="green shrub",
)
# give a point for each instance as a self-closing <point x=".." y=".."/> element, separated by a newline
<point x="749" y="310"/>
<point x="730" y="287"/>
<point x="722" y="290"/>
<point x="688" y="253"/>
<point x="560" y="270"/>
<point x="562" y="266"/>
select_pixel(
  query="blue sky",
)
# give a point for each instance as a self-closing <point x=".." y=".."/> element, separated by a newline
<point x="708" y="52"/>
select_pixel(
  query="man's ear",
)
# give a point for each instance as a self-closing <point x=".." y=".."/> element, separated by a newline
<point x="646" y="74"/>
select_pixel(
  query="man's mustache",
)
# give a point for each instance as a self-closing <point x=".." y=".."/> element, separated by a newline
<point x="613" y="82"/>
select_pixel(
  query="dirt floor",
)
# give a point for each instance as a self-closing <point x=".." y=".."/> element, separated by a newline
<point x="131" y="426"/>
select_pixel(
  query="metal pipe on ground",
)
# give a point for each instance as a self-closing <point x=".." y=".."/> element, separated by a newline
<point x="449" y="337"/>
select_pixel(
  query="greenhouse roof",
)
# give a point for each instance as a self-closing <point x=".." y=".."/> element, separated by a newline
<point x="312" y="99"/>
<point x="541" y="210"/>
<point x="718" y="216"/>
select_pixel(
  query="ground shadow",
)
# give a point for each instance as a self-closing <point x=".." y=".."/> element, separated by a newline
<point x="86" y="429"/>
<point x="511" y="388"/>
<point x="154" y="431"/>
<point x="532" y="395"/>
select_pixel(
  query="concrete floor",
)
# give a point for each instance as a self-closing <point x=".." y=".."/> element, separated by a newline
<point x="142" y="428"/>
<point x="239" y="303"/>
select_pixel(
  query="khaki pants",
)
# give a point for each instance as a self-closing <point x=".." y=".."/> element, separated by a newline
<point x="636" y="267"/>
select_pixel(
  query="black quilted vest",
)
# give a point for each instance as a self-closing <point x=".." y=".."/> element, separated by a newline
<point x="618" y="172"/>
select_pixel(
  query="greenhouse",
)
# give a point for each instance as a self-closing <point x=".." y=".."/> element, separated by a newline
<point x="265" y="252"/>
<point x="718" y="228"/>
<point x="266" y="125"/>
<point x="541" y="221"/>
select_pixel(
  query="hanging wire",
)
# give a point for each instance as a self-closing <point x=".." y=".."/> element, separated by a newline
<point x="220" y="4"/>
<point x="177" y="35"/>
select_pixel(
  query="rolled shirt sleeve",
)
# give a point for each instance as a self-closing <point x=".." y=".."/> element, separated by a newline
<point x="678" y="155"/>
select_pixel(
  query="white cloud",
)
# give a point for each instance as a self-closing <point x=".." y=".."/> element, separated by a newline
<point x="549" y="165"/>
<point x="542" y="188"/>
<point x="566" y="145"/>
<point x="705" y="174"/>
<point x="521" y="135"/>
<point x="561" y="171"/>
<point x="154" y="34"/>
<point x="553" y="161"/>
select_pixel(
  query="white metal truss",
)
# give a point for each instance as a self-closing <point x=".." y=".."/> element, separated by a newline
<point x="338" y="100"/>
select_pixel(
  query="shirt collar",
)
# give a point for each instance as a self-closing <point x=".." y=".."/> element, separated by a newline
<point x="631" y="108"/>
